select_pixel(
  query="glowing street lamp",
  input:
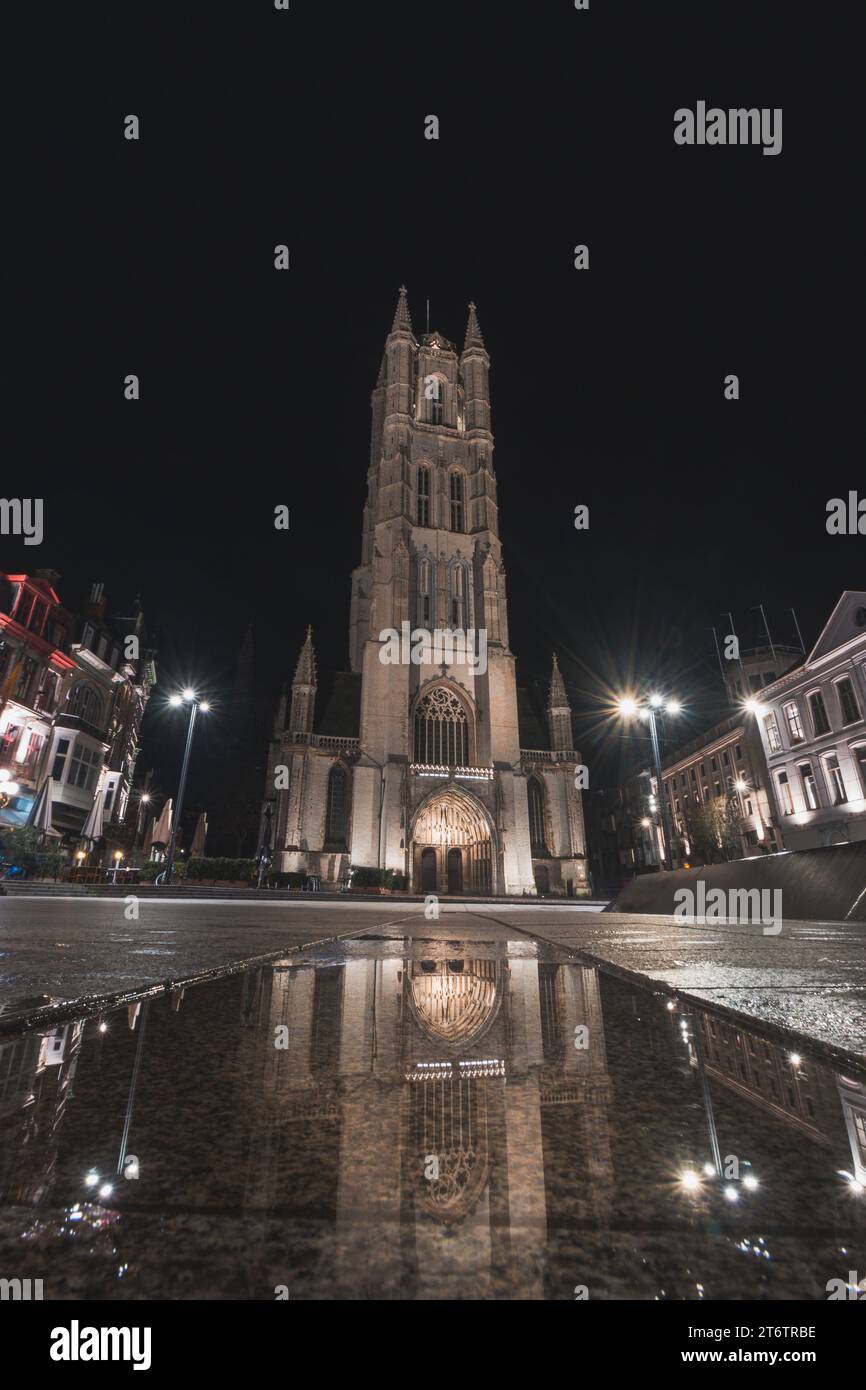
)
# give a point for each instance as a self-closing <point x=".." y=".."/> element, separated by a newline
<point x="628" y="708"/>
<point x="187" y="697"/>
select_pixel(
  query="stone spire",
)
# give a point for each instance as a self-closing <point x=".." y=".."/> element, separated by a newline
<point x="304" y="689"/>
<point x="559" y="712"/>
<point x="402" y="322"/>
<point x="473" y="331"/>
<point x="557" y="698"/>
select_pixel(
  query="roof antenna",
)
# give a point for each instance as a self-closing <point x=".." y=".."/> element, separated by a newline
<point x="799" y="633"/>
<point x="718" y="654"/>
<point x="767" y="630"/>
<point x="428" y="317"/>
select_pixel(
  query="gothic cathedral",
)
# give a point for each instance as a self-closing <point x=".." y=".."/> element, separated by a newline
<point x="416" y="764"/>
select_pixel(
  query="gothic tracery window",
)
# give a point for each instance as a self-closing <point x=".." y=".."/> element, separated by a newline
<point x="441" y="730"/>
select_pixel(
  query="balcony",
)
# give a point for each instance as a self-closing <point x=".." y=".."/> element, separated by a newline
<point x="463" y="774"/>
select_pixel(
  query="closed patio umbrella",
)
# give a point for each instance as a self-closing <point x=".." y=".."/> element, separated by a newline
<point x="92" y="829"/>
<point x="40" y="812"/>
<point x="199" y="839"/>
<point x="162" y="830"/>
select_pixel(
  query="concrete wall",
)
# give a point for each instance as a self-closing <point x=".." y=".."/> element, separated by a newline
<point x="817" y="884"/>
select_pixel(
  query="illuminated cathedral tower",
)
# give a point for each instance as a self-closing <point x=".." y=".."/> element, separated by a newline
<point x="430" y="781"/>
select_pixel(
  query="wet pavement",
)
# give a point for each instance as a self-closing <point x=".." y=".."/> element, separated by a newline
<point x="458" y="1112"/>
<point x="809" y="979"/>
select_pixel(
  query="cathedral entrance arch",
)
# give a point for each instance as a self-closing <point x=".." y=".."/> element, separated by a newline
<point x="452" y="845"/>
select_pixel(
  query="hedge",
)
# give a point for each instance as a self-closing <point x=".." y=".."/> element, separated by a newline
<point x="232" y="869"/>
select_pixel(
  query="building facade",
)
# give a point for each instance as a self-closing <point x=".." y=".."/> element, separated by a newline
<point x="728" y="762"/>
<point x="812" y="726"/>
<point x="73" y="690"/>
<point x="416" y="765"/>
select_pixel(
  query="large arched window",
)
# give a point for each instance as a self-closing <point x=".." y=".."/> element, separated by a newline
<point x="423" y="495"/>
<point x="441" y="730"/>
<point x="425" y="592"/>
<point x="456" y="496"/>
<point x="86" y="704"/>
<point x="337" y="811"/>
<point x="537" y="842"/>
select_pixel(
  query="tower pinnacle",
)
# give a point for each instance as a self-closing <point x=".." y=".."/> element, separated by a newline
<point x="473" y="330"/>
<point x="402" y="321"/>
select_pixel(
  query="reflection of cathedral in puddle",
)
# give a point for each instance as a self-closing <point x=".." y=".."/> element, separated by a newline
<point x="436" y="1081"/>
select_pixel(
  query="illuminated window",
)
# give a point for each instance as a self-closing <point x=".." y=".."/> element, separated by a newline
<point x="835" y="779"/>
<point x="83" y="767"/>
<point x="795" y="728"/>
<point x="810" y="790"/>
<point x="785" y="795"/>
<point x="847" y="701"/>
<point x="771" y="727"/>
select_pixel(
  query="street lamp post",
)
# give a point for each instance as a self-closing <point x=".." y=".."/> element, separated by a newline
<point x="647" y="711"/>
<point x="188" y="697"/>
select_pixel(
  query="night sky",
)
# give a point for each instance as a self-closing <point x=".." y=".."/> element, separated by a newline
<point x="261" y="127"/>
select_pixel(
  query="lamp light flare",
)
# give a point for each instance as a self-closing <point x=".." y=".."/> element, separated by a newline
<point x="673" y="707"/>
<point x="753" y="707"/>
<point x="175" y="700"/>
<point x="655" y="701"/>
<point x="690" y="1180"/>
<point x="627" y="706"/>
<point x="189" y="694"/>
<point x="731" y="1194"/>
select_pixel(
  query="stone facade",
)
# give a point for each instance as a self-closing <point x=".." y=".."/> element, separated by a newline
<point x="812" y="723"/>
<point x="424" y="774"/>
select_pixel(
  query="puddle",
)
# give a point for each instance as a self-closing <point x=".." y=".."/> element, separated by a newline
<point x="446" y="1120"/>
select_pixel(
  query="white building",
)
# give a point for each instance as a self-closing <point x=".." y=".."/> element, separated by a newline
<point x="813" y="730"/>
